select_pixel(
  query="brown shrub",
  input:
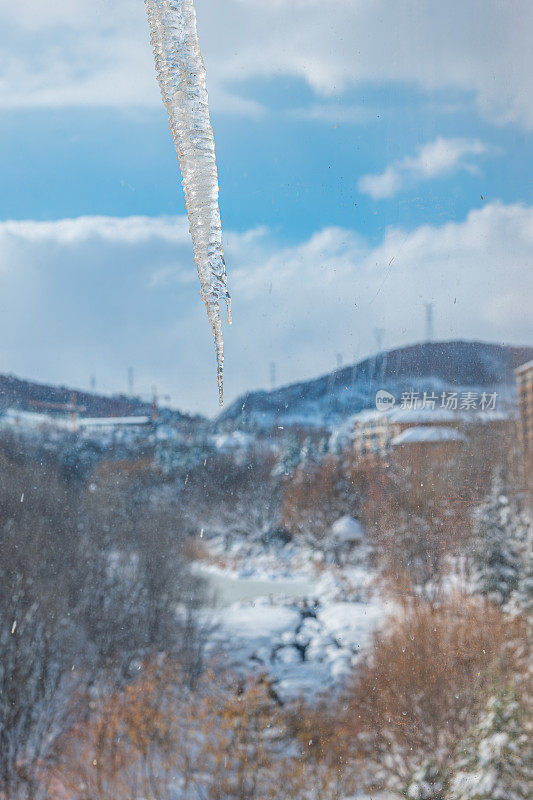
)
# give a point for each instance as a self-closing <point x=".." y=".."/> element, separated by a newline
<point x="111" y="753"/>
<point x="317" y="496"/>
<point x="426" y="678"/>
<point x="228" y="739"/>
<point x="417" y="523"/>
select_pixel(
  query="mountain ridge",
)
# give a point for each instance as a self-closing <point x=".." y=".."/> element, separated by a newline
<point x="429" y="366"/>
<point x="27" y="395"/>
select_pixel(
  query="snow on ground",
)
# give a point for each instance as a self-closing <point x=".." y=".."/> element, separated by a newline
<point x="244" y="558"/>
<point x="302" y="647"/>
<point x="304" y="636"/>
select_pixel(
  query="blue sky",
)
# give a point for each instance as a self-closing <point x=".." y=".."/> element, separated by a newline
<point x="373" y="156"/>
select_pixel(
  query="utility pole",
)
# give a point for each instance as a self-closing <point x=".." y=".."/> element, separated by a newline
<point x="131" y="382"/>
<point x="354" y="368"/>
<point x="429" y="322"/>
<point x="379" y="333"/>
<point x="155" y="406"/>
<point x="339" y="360"/>
<point x="272" y="375"/>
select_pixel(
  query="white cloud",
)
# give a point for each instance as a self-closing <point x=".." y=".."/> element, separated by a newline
<point x="333" y="113"/>
<point x="93" y="296"/>
<point x="121" y="230"/>
<point x="444" y="156"/>
<point x="96" y="52"/>
<point x="385" y="184"/>
<point x="433" y="160"/>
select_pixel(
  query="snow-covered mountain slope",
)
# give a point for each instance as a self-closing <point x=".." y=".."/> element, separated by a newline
<point x="429" y="367"/>
<point x="30" y="396"/>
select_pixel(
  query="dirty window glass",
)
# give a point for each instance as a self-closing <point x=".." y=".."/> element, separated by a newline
<point x="321" y="589"/>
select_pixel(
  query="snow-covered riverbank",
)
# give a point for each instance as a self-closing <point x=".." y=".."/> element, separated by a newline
<point x="304" y="630"/>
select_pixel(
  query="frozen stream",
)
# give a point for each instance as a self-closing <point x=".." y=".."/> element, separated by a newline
<point x="229" y="589"/>
<point x="299" y="631"/>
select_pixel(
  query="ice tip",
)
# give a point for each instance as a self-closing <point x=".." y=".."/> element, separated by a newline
<point x="220" y="388"/>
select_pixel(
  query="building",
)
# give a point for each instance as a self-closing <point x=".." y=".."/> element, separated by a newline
<point x="372" y="433"/>
<point x="95" y="425"/>
<point x="375" y="431"/>
<point x="404" y="418"/>
<point x="524" y="380"/>
<point x="422" y="445"/>
<point x="26" y="421"/>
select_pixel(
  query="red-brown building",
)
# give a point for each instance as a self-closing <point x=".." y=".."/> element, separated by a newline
<point x="524" y="380"/>
<point x="425" y="443"/>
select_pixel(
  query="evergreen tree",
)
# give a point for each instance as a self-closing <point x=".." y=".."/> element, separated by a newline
<point x="521" y="601"/>
<point x="524" y="591"/>
<point x="323" y="446"/>
<point x="308" y="453"/>
<point x="288" y="460"/>
<point x="498" y="531"/>
<point x="498" y="757"/>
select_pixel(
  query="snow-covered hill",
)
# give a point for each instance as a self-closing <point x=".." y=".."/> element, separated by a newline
<point x="428" y="367"/>
<point x="26" y="395"/>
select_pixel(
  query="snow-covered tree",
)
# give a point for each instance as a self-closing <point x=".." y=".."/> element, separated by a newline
<point x="523" y="596"/>
<point x="308" y="453"/>
<point x="38" y="656"/>
<point x="288" y="460"/>
<point x="498" y="532"/>
<point x="521" y="600"/>
<point x="497" y="761"/>
<point x="427" y="783"/>
<point x="323" y="446"/>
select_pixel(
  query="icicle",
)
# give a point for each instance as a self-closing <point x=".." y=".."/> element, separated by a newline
<point x="182" y="78"/>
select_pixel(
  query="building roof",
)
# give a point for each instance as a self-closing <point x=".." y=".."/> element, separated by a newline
<point x="524" y="367"/>
<point x="421" y="434"/>
<point x="397" y="415"/>
<point x="368" y="415"/>
<point x="235" y="440"/>
<point x="96" y="422"/>
<point x="423" y="415"/>
<point x="35" y="419"/>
